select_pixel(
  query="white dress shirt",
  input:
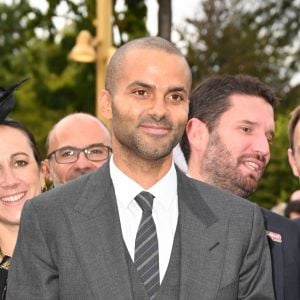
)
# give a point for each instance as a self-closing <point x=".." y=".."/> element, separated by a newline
<point x="165" y="211"/>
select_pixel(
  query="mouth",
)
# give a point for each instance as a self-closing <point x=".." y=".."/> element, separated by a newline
<point x="253" y="166"/>
<point x="13" y="198"/>
<point x="155" y="130"/>
<point x="256" y="167"/>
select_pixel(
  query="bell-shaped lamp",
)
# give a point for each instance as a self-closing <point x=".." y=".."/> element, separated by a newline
<point x="84" y="50"/>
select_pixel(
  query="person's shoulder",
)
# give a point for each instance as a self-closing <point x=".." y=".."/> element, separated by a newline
<point x="297" y="222"/>
<point x="278" y="222"/>
<point x="213" y="192"/>
<point x="274" y="218"/>
<point x="221" y="202"/>
<point x="69" y="193"/>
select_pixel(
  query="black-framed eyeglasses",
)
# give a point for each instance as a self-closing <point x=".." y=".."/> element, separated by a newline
<point x="68" y="155"/>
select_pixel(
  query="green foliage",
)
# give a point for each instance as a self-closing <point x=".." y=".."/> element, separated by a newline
<point x="33" y="46"/>
<point x="131" y="22"/>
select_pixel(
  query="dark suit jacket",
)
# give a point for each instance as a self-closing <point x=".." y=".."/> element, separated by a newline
<point x="297" y="221"/>
<point x="285" y="256"/>
<point x="70" y="245"/>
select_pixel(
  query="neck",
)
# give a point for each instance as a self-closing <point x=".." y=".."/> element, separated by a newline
<point x="144" y="172"/>
<point x="194" y="173"/>
<point x="8" y="238"/>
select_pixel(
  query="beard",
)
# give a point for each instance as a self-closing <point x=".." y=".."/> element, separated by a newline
<point x="221" y="169"/>
<point x="142" y="145"/>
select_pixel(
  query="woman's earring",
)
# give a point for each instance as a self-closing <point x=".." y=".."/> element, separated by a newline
<point x="44" y="188"/>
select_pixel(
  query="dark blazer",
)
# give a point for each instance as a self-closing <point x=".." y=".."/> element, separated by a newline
<point x="285" y="255"/>
<point x="70" y="245"/>
<point x="297" y="221"/>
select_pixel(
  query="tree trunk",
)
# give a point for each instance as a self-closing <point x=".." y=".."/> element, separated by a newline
<point x="164" y="19"/>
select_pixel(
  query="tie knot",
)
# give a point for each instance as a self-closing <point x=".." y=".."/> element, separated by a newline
<point x="145" y="201"/>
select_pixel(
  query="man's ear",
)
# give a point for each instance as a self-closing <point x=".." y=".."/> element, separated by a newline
<point x="43" y="175"/>
<point x="46" y="169"/>
<point x="197" y="134"/>
<point x="292" y="162"/>
<point x="104" y="104"/>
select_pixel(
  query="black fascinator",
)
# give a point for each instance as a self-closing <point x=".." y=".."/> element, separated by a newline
<point x="7" y="99"/>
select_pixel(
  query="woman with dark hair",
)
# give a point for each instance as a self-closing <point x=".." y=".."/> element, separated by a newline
<point x="22" y="176"/>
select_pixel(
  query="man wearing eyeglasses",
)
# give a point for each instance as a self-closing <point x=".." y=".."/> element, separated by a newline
<point x="78" y="144"/>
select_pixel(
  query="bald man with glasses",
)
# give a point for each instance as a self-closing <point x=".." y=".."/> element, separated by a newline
<point x="78" y="144"/>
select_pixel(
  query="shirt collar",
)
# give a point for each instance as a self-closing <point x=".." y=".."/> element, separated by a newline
<point x="126" y="188"/>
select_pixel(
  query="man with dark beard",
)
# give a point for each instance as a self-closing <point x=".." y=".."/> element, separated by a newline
<point x="226" y="144"/>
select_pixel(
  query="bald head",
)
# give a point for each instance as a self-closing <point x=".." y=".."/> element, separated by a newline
<point x="78" y="130"/>
<point x="75" y="127"/>
<point x="115" y="66"/>
<point x="295" y="195"/>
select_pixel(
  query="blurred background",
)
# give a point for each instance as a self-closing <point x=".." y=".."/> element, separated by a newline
<point x="260" y="38"/>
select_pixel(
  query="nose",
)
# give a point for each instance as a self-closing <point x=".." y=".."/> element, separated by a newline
<point x="262" y="146"/>
<point x="158" y="108"/>
<point x="83" y="163"/>
<point x="8" y="178"/>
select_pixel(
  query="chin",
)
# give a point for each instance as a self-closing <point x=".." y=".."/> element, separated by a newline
<point x="13" y="221"/>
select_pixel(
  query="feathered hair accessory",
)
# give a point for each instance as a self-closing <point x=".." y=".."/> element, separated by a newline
<point x="7" y="99"/>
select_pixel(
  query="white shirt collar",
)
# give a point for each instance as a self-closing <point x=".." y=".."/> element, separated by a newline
<point x="126" y="188"/>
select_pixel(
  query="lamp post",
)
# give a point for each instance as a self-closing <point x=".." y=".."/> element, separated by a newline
<point x="98" y="49"/>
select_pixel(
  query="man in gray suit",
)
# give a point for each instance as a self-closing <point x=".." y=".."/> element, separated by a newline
<point x="103" y="237"/>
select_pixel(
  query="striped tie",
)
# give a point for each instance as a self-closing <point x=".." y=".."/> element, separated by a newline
<point x="146" y="246"/>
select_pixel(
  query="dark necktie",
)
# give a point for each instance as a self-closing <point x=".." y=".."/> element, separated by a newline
<point x="146" y="246"/>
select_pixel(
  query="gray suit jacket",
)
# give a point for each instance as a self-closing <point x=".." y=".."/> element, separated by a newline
<point x="70" y="245"/>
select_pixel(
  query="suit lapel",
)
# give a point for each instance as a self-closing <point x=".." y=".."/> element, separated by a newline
<point x="97" y="237"/>
<point x="278" y="271"/>
<point x="276" y="250"/>
<point x="202" y="238"/>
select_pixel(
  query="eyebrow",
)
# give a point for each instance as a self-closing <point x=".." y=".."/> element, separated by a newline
<point x="19" y="153"/>
<point x="141" y="83"/>
<point x="151" y="86"/>
<point x="178" y="89"/>
<point x="272" y="132"/>
<point x="74" y="147"/>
